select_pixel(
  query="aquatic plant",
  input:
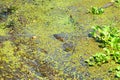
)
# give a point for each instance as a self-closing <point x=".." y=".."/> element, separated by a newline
<point x="109" y="38"/>
<point x="116" y="71"/>
<point x="116" y="56"/>
<point x="106" y="35"/>
<point x="117" y="1"/>
<point x="98" y="59"/>
<point x="96" y="10"/>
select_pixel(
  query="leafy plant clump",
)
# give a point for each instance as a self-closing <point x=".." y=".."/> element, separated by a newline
<point x="107" y="36"/>
<point x="97" y="11"/>
<point x="109" y="40"/>
<point x="116" y="71"/>
<point x="98" y="59"/>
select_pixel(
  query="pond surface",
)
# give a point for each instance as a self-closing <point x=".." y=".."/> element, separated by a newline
<point x="59" y="32"/>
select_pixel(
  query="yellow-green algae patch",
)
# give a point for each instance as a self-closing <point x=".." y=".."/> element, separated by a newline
<point x="43" y="19"/>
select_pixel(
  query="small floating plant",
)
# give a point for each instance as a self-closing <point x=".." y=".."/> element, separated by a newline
<point x="96" y="10"/>
<point x="117" y="1"/>
<point x="100" y="10"/>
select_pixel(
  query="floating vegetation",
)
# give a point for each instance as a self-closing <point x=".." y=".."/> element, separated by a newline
<point x="98" y="58"/>
<point x="117" y="1"/>
<point x="116" y="71"/>
<point x="96" y="10"/>
<point x="109" y="37"/>
<point x="106" y="35"/>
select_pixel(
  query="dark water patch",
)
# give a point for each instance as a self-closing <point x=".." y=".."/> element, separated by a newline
<point x="3" y="17"/>
<point x="4" y="38"/>
<point x="6" y="11"/>
<point x="82" y="62"/>
<point x="97" y="79"/>
<point x="68" y="46"/>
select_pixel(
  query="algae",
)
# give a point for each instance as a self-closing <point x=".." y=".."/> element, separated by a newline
<point x="43" y="58"/>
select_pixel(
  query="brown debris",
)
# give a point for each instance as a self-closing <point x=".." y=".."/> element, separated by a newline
<point x="58" y="37"/>
<point x="44" y="51"/>
<point x="108" y="5"/>
<point x="47" y="71"/>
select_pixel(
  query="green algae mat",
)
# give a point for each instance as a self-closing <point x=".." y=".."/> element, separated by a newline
<point x="55" y="40"/>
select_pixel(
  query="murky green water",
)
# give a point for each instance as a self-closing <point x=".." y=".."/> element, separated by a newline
<point x="69" y="19"/>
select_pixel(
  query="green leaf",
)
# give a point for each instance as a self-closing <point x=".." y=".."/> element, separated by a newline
<point x="118" y="74"/>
